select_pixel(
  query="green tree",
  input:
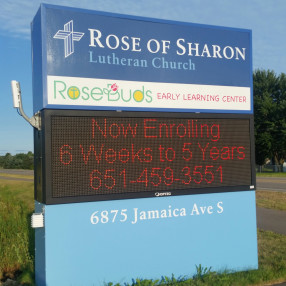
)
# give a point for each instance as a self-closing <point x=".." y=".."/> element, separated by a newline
<point x="269" y="116"/>
<point x="18" y="161"/>
<point x="279" y="134"/>
<point x="8" y="161"/>
<point x="28" y="161"/>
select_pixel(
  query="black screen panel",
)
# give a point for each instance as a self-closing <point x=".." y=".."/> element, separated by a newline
<point x="105" y="155"/>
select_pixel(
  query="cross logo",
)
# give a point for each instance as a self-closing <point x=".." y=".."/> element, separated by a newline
<point x="69" y="36"/>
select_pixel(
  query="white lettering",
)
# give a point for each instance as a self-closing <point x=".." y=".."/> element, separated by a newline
<point x="206" y="50"/>
<point x="179" y="45"/>
<point x="216" y="51"/>
<point x="125" y="43"/>
<point x="157" y="46"/>
<point x="239" y="52"/>
<point x="113" y="42"/>
<point x="116" y="41"/>
<point x="195" y="210"/>
<point x="196" y="48"/>
<point x="154" y="46"/>
<point x="219" y="205"/>
<point x="135" y="45"/>
<point x="231" y="54"/>
<point x="166" y="45"/>
<point x="96" y="38"/>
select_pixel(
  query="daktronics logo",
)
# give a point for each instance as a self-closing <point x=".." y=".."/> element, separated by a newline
<point x="111" y="92"/>
<point x="157" y="194"/>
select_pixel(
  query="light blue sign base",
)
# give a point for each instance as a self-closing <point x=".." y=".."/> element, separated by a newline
<point x="114" y="241"/>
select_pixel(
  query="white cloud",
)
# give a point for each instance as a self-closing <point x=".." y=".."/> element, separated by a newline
<point x="16" y="15"/>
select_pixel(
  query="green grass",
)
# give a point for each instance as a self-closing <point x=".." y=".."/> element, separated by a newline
<point x="17" y="245"/>
<point x="18" y="190"/>
<point x="18" y="176"/>
<point x="271" y="174"/>
<point x="271" y="200"/>
<point x="16" y="235"/>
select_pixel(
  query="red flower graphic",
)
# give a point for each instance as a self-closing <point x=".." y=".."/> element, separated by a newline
<point x="114" y="87"/>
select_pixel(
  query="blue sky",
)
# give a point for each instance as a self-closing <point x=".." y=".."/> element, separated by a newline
<point x="265" y="18"/>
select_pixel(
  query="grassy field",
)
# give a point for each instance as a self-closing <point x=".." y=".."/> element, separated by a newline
<point x="18" y="176"/>
<point x="16" y="235"/>
<point x="17" y="244"/>
<point x="271" y="200"/>
<point x="271" y="174"/>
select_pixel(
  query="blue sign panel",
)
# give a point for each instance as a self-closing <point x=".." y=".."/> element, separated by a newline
<point x="92" y="60"/>
<point x="118" y="241"/>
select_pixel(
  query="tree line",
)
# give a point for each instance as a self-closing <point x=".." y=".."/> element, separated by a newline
<point x="269" y="92"/>
<point x="18" y="161"/>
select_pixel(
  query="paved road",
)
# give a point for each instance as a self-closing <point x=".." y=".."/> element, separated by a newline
<point x="15" y="179"/>
<point x="16" y="172"/>
<point x="271" y="184"/>
<point x="273" y="220"/>
<point x="268" y="219"/>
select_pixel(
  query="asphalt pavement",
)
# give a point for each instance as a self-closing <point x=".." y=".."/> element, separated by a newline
<point x="17" y="172"/>
<point x="276" y="184"/>
<point x="269" y="219"/>
<point x="3" y="173"/>
<point x="274" y="220"/>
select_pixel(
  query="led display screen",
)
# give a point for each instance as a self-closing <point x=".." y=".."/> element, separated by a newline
<point x="117" y="156"/>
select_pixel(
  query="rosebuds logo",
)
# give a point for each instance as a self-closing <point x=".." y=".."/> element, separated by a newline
<point x="111" y="92"/>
